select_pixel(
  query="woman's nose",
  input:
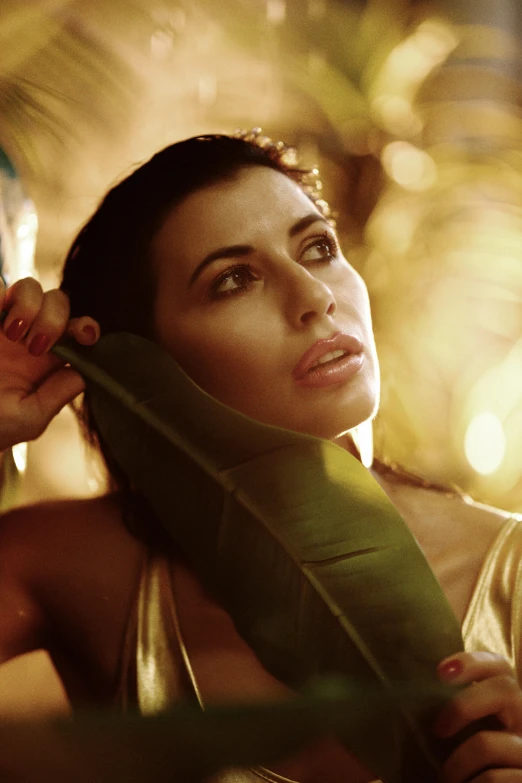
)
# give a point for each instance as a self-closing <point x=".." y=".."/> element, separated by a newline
<point x="309" y="297"/>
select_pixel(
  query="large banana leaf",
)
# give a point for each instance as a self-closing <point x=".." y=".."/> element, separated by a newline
<point x="295" y="538"/>
<point x="184" y="745"/>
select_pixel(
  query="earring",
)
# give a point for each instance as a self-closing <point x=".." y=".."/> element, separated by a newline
<point x="363" y="438"/>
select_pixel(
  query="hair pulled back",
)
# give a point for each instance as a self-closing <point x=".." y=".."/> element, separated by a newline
<point x="108" y="273"/>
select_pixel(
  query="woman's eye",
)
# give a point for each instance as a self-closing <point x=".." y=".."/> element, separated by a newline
<point x="321" y="249"/>
<point x="233" y="280"/>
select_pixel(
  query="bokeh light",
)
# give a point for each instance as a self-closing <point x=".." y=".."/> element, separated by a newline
<point x="409" y="166"/>
<point x="20" y="456"/>
<point x="412" y="111"/>
<point x="485" y="443"/>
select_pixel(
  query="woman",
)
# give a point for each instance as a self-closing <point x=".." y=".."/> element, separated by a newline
<point x="222" y="253"/>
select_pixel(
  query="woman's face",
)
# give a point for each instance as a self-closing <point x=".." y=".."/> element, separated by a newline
<point x="253" y="291"/>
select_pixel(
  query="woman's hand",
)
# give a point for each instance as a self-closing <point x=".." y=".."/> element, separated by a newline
<point x="488" y="756"/>
<point x="34" y="385"/>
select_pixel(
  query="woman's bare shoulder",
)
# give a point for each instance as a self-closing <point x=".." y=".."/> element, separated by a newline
<point x="68" y="576"/>
<point x="63" y="530"/>
<point x="489" y="516"/>
<point x="60" y="515"/>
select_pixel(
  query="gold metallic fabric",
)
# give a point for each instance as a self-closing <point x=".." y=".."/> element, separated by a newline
<point x="164" y="674"/>
<point x="493" y="617"/>
<point x="163" y="669"/>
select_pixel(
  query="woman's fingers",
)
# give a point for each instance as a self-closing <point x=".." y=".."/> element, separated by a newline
<point x="469" y="667"/>
<point x="85" y="330"/>
<point x="23" y="301"/>
<point x="499" y="696"/>
<point x="56" y="391"/>
<point x="40" y="319"/>
<point x="64" y="384"/>
<point x="35" y="385"/>
<point x="485" y="757"/>
<point x="49" y="323"/>
<point x="27" y="418"/>
<point x="493" y="690"/>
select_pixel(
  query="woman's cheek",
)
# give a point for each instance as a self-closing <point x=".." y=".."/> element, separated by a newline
<point x="226" y="368"/>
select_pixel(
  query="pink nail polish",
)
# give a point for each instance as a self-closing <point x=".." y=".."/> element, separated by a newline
<point x="450" y="669"/>
<point x="15" y="330"/>
<point x="38" y="345"/>
<point x="89" y="332"/>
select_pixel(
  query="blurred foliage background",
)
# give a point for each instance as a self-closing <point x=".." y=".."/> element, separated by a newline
<point x="412" y="111"/>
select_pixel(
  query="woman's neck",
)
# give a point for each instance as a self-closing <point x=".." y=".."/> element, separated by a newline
<point x="414" y="497"/>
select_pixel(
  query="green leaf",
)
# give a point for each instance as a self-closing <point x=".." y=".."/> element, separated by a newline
<point x="292" y="534"/>
<point x="183" y="745"/>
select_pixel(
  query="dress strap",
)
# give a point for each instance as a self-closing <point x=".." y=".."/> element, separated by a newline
<point x="164" y="675"/>
<point x="493" y="618"/>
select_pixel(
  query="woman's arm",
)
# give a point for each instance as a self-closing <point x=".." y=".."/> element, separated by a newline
<point x="34" y="387"/>
<point x="23" y="625"/>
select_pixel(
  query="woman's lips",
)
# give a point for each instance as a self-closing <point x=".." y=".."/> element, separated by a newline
<point x="308" y="372"/>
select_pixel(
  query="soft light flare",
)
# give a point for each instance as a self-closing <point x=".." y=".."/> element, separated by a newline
<point x="20" y="456"/>
<point x="485" y="443"/>
<point x="408" y="65"/>
<point x="363" y="438"/>
<point x="409" y="166"/>
<point x="397" y="115"/>
<point x="276" y="11"/>
<point x="26" y="233"/>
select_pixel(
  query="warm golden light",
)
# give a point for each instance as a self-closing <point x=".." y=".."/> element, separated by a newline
<point x="397" y="223"/>
<point x="409" y="166"/>
<point x="485" y="443"/>
<point x="20" y="456"/>
<point x="316" y="9"/>
<point x="26" y="234"/>
<point x="397" y="115"/>
<point x="363" y="439"/>
<point x="440" y="235"/>
<point x="276" y="11"/>
<point x="436" y="39"/>
<point x="405" y="69"/>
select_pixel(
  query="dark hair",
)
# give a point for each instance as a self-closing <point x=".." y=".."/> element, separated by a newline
<point x="108" y="273"/>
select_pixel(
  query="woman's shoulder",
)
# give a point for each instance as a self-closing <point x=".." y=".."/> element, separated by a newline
<point x="58" y="535"/>
<point x="73" y="568"/>
<point x="496" y="526"/>
<point x="48" y="518"/>
<point x="474" y="528"/>
<point x="56" y="511"/>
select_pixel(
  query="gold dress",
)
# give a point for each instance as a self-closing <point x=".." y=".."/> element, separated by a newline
<point x="157" y="670"/>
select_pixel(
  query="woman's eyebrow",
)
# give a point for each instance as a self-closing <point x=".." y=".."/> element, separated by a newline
<point x="235" y="251"/>
<point x="306" y="221"/>
<point x="232" y="251"/>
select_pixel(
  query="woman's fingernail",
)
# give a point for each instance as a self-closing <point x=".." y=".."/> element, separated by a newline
<point x="15" y="330"/>
<point x="90" y="333"/>
<point x="450" y="669"/>
<point x="38" y="345"/>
